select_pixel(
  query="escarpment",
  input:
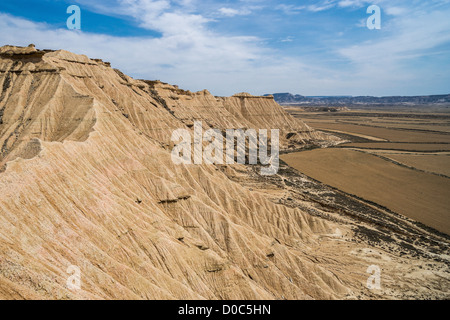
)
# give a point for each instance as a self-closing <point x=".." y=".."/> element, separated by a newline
<point x="88" y="181"/>
<point x="49" y="95"/>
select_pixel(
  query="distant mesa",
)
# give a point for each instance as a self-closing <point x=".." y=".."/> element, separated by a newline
<point x="291" y="99"/>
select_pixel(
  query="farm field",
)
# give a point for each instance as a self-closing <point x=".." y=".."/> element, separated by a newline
<point x="420" y="147"/>
<point x="422" y="126"/>
<point x="383" y="133"/>
<point x="399" y="160"/>
<point x="421" y="196"/>
<point x="439" y="164"/>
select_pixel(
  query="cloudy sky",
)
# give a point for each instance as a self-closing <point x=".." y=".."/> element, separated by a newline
<point x="260" y="46"/>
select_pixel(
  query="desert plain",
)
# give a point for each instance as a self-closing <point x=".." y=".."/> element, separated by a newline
<point x="397" y="157"/>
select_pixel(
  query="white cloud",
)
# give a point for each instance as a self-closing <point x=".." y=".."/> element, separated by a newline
<point x="202" y="61"/>
<point x="353" y="3"/>
<point x="411" y="35"/>
<point x="395" y="58"/>
<point x="289" y="8"/>
<point x="321" y="7"/>
<point x="230" y="12"/>
<point x="395" y="11"/>
<point x="137" y="54"/>
<point x="288" y="39"/>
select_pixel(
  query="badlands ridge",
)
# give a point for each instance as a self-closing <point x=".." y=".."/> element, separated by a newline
<point x="87" y="180"/>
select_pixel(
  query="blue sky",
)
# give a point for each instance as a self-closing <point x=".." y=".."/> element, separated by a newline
<point x="258" y="46"/>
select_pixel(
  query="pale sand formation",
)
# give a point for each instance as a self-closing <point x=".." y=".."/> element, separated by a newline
<point x="87" y="180"/>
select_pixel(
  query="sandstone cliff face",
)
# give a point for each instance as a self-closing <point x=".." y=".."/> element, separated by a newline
<point x="40" y="90"/>
<point x="88" y="181"/>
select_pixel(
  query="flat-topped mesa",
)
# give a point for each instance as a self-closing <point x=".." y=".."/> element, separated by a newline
<point x="241" y="111"/>
<point x="29" y="53"/>
<point x="246" y="95"/>
<point x="264" y="113"/>
<point x="13" y="50"/>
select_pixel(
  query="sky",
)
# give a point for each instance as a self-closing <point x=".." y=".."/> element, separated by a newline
<point x="313" y="48"/>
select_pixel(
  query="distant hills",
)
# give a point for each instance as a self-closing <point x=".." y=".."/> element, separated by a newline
<point x="291" y="99"/>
